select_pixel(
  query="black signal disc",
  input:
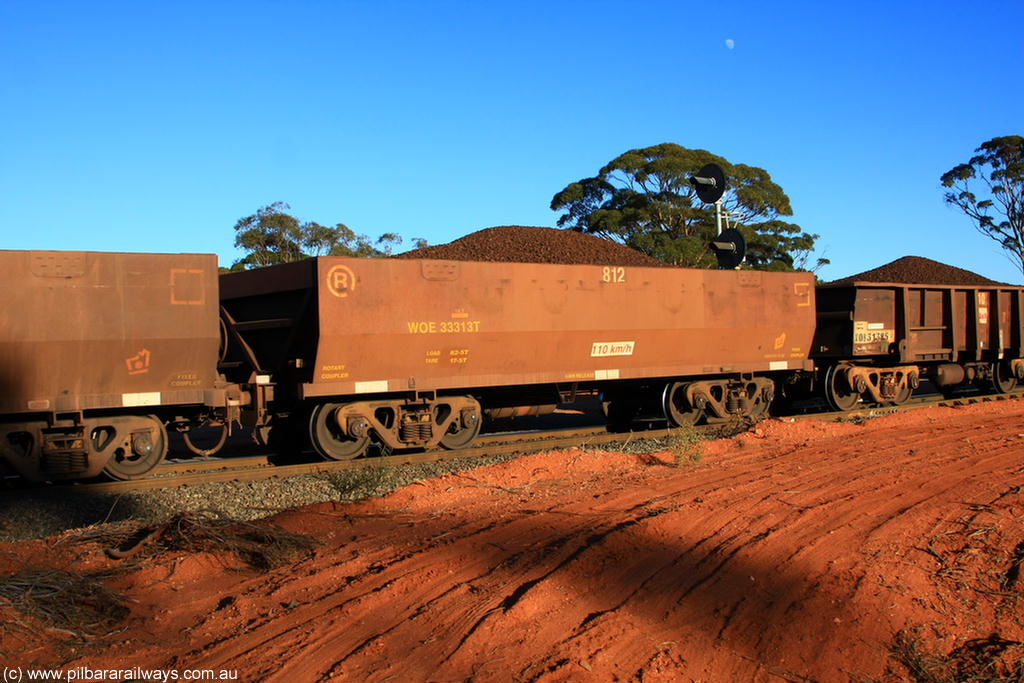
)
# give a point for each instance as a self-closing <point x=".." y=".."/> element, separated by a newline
<point x="709" y="193"/>
<point x="730" y="257"/>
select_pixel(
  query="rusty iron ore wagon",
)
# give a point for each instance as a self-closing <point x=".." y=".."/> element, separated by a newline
<point x="875" y="341"/>
<point x="100" y="352"/>
<point x="415" y="353"/>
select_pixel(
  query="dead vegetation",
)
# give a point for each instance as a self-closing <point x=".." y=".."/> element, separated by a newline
<point x="61" y="600"/>
<point x="984" y="660"/>
<point x="977" y="563"/>
<point x="979" y="554"/>
<point x="80" y="605"/>
<point x="259" y="545"/>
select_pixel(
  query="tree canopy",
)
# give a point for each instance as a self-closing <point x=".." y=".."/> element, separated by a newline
<point x="989" y="188"/>
<point x="643" y="198"/>
<point x="272" y="235"/>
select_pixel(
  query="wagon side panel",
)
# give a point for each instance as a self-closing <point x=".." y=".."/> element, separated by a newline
<point x="912" y="323"/>
<point x="397" y="325"/>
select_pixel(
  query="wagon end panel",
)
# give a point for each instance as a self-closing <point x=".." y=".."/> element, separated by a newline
<point x="270" y="323"/>
<point x="856" y="322"/>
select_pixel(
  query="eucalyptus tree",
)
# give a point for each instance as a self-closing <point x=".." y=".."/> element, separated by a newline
<point x="273" y="235"/>
<point x="989" y="188"/>
<point x="644" y="199"/>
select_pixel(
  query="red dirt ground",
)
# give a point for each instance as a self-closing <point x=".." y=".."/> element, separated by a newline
<point x="794" y="552"/>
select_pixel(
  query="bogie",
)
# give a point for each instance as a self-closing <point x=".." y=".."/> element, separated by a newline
<point x="120" y="446"/>
<point x="341" y="431"/>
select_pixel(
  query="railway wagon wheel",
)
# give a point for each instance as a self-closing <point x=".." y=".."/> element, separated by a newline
<point x="903" y="396"/>
<point x="327" y="437"/>
<point x="678" y="410"/>
<point x="1003" y="379"/>
<point x="462" y="432"/>
<point x="144" y="447"/>
<point x="837" y="389"/>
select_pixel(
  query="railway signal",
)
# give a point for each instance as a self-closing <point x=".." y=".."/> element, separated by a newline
<point x="729" y="244"/>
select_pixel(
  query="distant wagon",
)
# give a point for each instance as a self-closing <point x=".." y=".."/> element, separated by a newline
<point x="875" y="341"/>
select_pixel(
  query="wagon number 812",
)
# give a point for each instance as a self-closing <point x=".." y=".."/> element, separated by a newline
<point x="613" y="274"/>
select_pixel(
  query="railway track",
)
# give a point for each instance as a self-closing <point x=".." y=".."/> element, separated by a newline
<point x="257" y="467"/>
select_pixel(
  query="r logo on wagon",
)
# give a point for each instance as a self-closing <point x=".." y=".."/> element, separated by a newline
<point x="341" y="281"/>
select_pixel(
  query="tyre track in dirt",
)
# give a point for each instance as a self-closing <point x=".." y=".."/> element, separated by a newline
<point x="793" y="550"/>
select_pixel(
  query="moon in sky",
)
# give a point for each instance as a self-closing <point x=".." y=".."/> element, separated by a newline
<point x="730" y="43"/>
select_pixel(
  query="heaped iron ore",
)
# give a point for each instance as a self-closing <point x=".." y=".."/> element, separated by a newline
<point x="915" y="270"/>
<point x="522" y="244"/>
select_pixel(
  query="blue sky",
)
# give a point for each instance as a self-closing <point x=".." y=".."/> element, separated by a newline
<point x="156" y="126"/>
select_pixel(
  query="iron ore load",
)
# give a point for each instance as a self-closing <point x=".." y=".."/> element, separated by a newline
<point x="103" y="354"/>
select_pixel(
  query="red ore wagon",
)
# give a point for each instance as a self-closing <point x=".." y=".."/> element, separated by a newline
<point x="876" y="341"/>
<point x="415" y="353"/>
